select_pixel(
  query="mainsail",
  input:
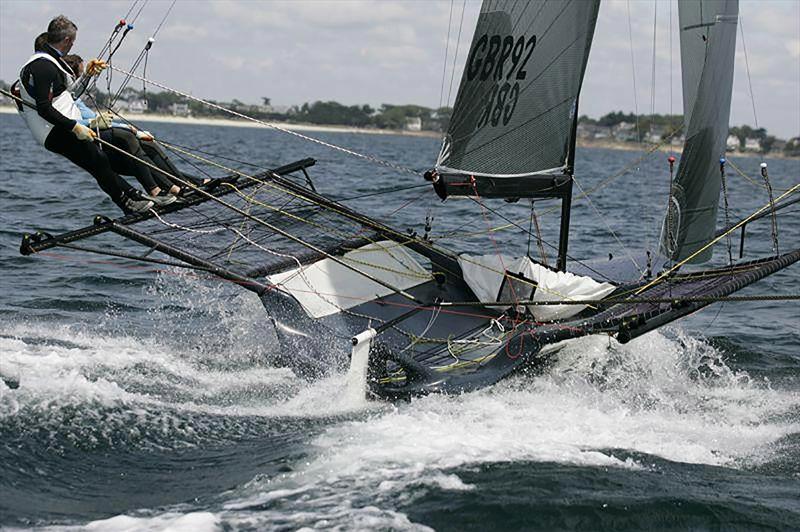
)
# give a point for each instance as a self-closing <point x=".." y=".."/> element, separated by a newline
<point x="708" y="41"/>
<point x="517" y="101"/>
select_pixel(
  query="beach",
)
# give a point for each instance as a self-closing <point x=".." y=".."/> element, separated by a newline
<point x="289" y="126"/>
<point x="209" y="121"/>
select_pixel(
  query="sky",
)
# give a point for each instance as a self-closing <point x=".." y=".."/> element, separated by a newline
<point x="387" y="51"/>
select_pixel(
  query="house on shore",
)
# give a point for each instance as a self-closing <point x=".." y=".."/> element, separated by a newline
<point x="135" y="107"/>
<point x="593" y="132"/>
<point x="180" y="109"/>
<point x="413" y="123"/>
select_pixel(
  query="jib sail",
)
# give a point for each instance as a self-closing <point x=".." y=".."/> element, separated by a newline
<point x="708" y="42"/>
<point x="517" y="101"/>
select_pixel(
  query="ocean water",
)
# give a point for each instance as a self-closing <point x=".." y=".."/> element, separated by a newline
<point x="146" y="399"/>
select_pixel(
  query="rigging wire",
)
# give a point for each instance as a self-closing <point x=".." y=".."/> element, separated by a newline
<point x="446" y="53"/>
<point x="764" y="172"/>
<point x="141" y="8"/>
<point x="747" y="69"/>
<point x="667" y="223"/>
<point x="455" y="56"/>
<point x="652" y="84"/>
<point x="164" y="18"/>
<point x="653" y="70"/>
<point x="633" y="72"/>
<point x="276" y="127"/>
<point x="610" y="230"/>
<point x="744" y="221"/>
<point x="143" y="55"/>
<point x="130" y="9"/>
<point x="671" y="125"/>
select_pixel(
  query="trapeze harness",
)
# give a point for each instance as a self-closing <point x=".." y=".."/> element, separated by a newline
<point x="62" y="103"/>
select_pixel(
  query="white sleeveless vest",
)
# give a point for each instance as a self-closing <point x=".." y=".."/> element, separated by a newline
<point x="63" y="103"/>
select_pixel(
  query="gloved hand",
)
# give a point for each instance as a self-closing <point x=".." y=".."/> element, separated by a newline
<point x="95" y="66"/>
<point x="83" y="132"/>
<point x="102" y="121"/>
<point x="145" y="136"/>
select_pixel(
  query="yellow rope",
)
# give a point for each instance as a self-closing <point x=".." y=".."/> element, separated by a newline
<point x="276" y="209"/>
<point x="664" y="274"/>
<point x="747" y="177"/>
<point x="291" y="193"/>
<point x="253" y="201"/>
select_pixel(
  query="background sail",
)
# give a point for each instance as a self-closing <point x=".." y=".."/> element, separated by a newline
<point x="708" y="42"/>
<point x="517" y="100"/>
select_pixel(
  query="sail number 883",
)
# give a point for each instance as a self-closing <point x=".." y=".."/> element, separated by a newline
<point x="487" y="61"/>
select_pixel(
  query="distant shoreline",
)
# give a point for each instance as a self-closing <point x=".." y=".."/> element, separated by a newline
<point x="207" y="121"/>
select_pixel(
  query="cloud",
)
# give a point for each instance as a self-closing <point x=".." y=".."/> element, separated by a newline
<point x="361" y="51"/>
<point x="180" y="32"/>
<point x="312" y="16"/>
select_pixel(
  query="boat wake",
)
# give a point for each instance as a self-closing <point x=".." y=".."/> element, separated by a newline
<point x="600" y="404"/>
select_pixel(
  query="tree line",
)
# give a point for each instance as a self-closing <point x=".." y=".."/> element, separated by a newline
<point x="666" y="125"/>
<point x="389" y="116"/>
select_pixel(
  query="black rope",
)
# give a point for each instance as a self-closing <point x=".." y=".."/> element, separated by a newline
<point x="727" y="210"/>
<point x="617" y="301"/>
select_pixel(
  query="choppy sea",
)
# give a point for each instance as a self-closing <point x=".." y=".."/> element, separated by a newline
<point x="146" y="399"/>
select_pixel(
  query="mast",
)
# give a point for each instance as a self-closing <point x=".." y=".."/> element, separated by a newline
<point x="566" y="199"/>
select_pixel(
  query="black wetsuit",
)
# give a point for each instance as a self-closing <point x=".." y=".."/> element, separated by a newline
<point x="124" y="139"/>
<point x="160" y="159"/>
<point x="44" y="82"/>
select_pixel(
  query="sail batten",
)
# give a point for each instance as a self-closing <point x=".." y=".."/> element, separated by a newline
<point x="708" y="42"/>
<point x="517" y="100"/>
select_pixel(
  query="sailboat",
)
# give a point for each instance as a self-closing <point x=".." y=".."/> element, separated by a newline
<point x="412" y="317"/>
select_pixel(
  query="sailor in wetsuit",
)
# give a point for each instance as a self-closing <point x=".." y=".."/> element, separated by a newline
<point x="44" y="82"/>
<point x="150" y="164"/>
<point x="131" y="141"/>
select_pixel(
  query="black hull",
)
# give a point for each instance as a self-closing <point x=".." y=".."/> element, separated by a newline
<point x="397" y="372"/>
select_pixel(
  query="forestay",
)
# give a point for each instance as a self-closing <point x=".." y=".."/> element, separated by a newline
<point x="517" y="101"/>
<point x="708" y="42"/>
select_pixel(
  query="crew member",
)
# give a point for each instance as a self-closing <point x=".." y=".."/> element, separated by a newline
<point x="160" y="190"/>
<point x="44" y="82"/>
<point x="163" y="180"/>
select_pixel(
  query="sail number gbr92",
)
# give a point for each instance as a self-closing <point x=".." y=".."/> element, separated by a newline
<point x="501" y="59"/>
